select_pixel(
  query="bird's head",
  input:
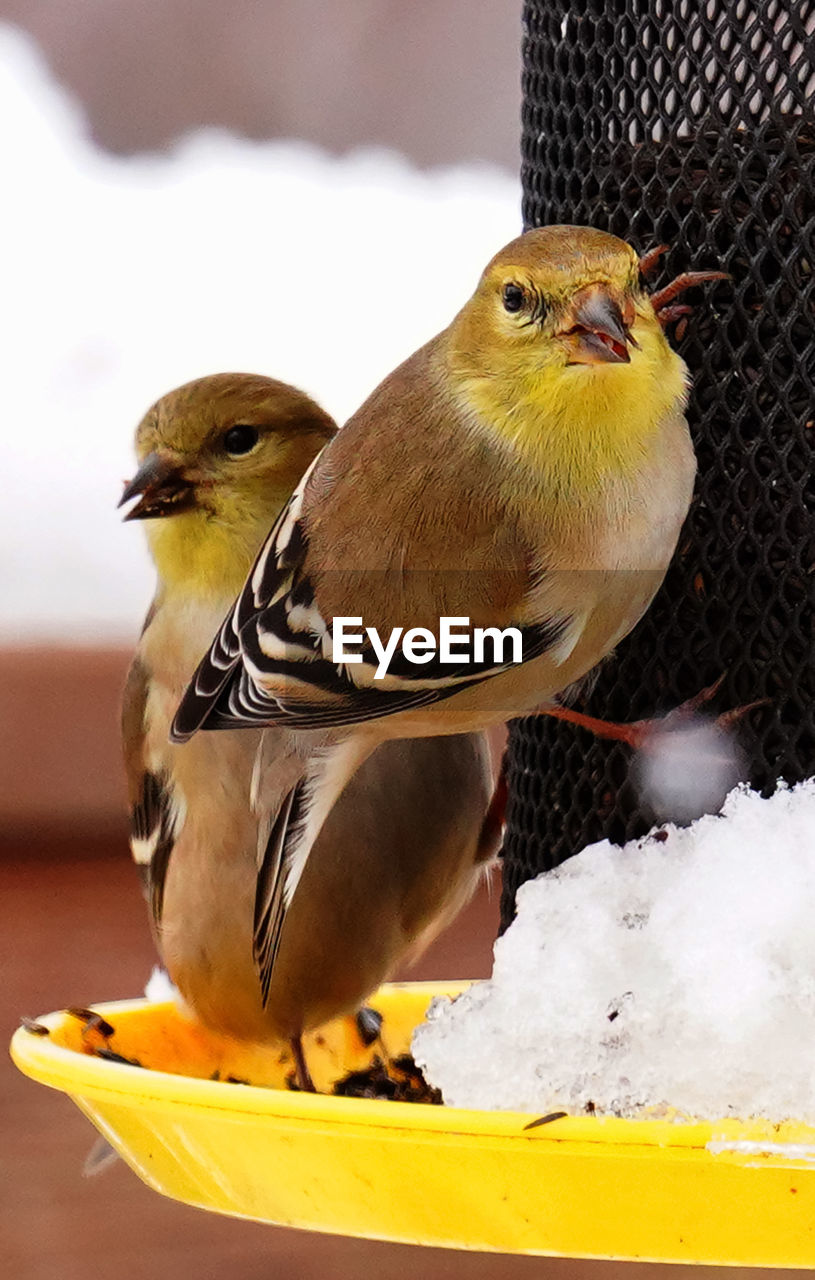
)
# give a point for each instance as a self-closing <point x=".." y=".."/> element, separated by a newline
<point x="560" y="335"/>
<point x="218" y="459"/>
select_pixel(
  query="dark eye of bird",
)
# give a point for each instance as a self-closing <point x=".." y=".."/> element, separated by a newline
<point x="514" y="297"/>
<point x="240" y="439"/>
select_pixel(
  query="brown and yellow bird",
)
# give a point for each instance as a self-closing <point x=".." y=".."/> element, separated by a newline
<point x="405" y="846"/>
<point x="529" y="469"/>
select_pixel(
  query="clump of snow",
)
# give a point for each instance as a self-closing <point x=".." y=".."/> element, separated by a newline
<point x="676" y="972"/>
<point x="159" y="988"/>
<point x="686" y="771"/>
<point x="124" y="277"/>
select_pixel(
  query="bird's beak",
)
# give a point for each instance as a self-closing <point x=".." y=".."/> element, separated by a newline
<point x="596" y="329"/>
<point x="164" y="488"/>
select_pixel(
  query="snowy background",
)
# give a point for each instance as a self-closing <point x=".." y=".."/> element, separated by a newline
<point x="125" y="277"/>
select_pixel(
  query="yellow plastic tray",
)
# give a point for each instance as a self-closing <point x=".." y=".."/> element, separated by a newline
<point x="729" y="1192"/>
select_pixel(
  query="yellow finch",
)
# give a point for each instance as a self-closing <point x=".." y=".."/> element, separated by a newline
<point x="528" y="469"/>
<point x="403" y="848"/>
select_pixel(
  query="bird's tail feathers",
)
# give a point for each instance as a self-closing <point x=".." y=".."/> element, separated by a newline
<point x="312" y="789"/>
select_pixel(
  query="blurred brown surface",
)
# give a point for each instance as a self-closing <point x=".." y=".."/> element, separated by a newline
<point x="60" y="759"/>
<point x="437" y="79"/>
<point x="75" y="932"/>
<point x="60" y="755"/>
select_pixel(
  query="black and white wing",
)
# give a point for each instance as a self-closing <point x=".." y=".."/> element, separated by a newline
<point x="270" y="895"/>
<point x="273" y="571"/>
<point x="154" y="818"/>
<point x="271" y="663"/>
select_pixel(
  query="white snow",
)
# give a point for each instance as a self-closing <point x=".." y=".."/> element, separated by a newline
<point x="803" y="1151"/>
<point x="158" y="988"/>
<point x="673" y="973"/>
<point x="686" y="770"/>
<point x="123" y="278"/>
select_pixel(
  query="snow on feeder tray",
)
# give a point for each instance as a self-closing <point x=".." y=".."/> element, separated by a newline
<point x="738" y="1191"/>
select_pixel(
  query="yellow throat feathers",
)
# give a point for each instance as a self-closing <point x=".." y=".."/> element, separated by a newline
<point x="208" y="553"/>
<point x="577" y="426"/>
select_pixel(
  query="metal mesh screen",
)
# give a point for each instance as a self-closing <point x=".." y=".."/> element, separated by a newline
<point x="691" y="124"/>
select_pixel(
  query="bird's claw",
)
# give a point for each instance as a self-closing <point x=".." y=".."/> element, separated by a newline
<point x="302" y="1075"/>
<point x="650" y="258"/>
<point x="640" y="734"/>
<point x="662" y="299"/>
<point x="668" y="314"/>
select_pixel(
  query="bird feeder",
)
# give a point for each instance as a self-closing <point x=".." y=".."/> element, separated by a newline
<point x="691" y="125"/>
<point x="210" y="1122"/>
<point x="688" y="124"/>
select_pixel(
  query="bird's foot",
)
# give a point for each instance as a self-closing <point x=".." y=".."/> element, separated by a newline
<point x="663" y="298"/>
<point x="638" y="734"/>
<point x="302" y="1074"/>
<point x="649" y="259"/>
<point x="667" y="310"/>
<point x="686" y="280"/>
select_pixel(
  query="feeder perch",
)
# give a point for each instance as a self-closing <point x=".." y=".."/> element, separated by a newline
<point x="579" y="1186"/>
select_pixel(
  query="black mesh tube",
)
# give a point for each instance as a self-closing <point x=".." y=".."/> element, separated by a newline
<point x="691" y="124"/>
